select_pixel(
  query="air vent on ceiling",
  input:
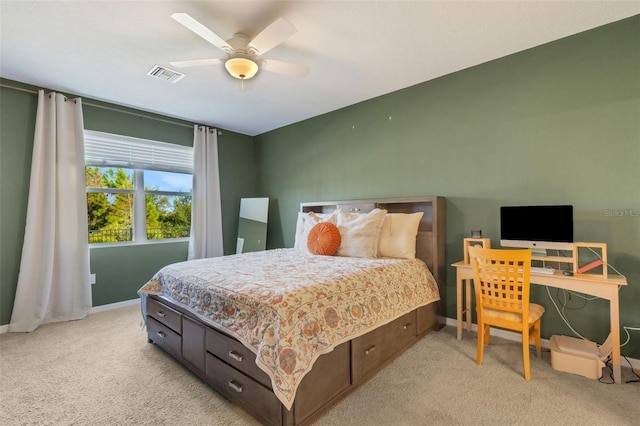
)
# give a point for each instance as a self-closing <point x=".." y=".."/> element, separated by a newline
<point x="165" y="74"/>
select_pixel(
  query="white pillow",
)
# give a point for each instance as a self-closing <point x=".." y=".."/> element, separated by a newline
<point x="398" y="235"/>
<point x="359" y="232"/>
<point x="305" y="222"/>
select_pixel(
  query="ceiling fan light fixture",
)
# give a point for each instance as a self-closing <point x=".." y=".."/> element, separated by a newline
<point x="241" y="68"/>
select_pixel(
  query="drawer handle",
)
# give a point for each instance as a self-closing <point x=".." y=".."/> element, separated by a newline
<point x="161" y="334"/>
<point x="161" y="314"/>
<point x="355" y="209"/>
<point x="235" y="386"/>
<point x="371" y="349"/>
<point x="406" y="326"/>
<point x="235" y="355"/>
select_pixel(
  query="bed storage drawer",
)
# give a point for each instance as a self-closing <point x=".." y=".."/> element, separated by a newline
<point x="252" y="396"/>
<point x="366" y="353"/>
<point x="235" y="354"/>
<point x="371" y="350"/>
<point x="400" y="333"/>
<point x="164" y="315"/>
<point x="164" y="337"/>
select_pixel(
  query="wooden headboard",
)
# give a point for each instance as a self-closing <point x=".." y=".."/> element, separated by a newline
<point x="430" y="242"/>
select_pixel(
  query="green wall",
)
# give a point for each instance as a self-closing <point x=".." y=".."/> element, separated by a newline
<point x="120" y="271"/>
<point x="17" y="124"/>
<point x="557" y="124"/>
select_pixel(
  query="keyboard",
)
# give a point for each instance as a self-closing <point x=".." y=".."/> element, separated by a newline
<point x="542" y="270"/>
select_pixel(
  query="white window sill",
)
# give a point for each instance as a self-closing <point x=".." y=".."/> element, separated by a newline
<point x="136" y="243"/>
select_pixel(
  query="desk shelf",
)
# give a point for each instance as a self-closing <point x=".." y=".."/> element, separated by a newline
<point x="574" y="259"/>
<point x="474" y="242"/>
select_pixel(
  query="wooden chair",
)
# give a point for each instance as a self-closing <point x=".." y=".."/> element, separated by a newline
<point x="502" y="286"/>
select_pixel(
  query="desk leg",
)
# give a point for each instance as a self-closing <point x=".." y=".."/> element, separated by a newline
<point x="467" y="296"/>
<point x="614" y="310"/>
<point x="459" y="307"/>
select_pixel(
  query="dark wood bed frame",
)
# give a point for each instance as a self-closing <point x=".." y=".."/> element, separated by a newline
<point x="229" y="367"/>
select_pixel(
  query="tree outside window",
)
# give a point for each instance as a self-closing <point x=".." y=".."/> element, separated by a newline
<point x="111" y="204"/>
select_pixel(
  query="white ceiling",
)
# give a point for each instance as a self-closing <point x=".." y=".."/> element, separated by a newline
<point x="357" y="50"/>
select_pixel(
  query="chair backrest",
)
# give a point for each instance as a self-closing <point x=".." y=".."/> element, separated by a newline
<point x="502" y="279"/>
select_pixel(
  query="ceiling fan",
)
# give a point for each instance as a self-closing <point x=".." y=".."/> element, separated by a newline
<point x="244" y="59"/>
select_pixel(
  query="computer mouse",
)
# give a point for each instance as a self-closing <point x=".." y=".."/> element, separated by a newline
<point x="567" y="273"/>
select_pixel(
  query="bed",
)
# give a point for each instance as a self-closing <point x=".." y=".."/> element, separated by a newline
<point x="286" y="333"/>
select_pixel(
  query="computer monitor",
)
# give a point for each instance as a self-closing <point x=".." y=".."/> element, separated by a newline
<point x="539" y="228"/>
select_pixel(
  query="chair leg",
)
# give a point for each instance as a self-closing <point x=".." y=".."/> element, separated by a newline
<point x="481" y="335"/>
<point x="536" y="328"/>
<point x="525" y="354"/>
<point x="487" y="334"/>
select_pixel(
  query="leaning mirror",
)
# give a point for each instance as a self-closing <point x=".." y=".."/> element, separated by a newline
<point x="252" y="226"/>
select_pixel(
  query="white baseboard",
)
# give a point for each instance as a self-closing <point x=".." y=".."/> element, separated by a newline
<point x="114" y="305"/>
<point x="510" y="335"/>
<point x="5" y="328"/>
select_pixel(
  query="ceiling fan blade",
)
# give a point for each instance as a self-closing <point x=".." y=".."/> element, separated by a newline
<point x="196" y="62"/>
<point x="277" y="32"/>
<point x="202" y="31"/>
<point x="286" y="68"/>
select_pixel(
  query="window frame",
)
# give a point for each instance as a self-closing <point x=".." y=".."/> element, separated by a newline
<point x="138" y="166"/>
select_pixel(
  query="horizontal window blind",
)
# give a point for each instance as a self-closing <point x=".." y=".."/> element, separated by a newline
<point x="109" y="150"/>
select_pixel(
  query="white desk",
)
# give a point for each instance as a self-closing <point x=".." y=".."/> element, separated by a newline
<point x="606" y="288"/>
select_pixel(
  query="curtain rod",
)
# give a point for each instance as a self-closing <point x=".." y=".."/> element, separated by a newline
<point x="20" y="89"/>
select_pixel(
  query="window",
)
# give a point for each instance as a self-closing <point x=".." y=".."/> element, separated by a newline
<point x="137" y="190"/>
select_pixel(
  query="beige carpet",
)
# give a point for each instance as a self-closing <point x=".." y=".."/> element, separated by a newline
<point x="102" y="371"/>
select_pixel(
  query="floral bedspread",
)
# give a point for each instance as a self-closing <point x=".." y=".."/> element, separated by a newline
<point x="290" y="307"/>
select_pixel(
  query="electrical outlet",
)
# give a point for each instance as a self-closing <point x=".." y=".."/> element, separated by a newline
<point x="92" y="279"/>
